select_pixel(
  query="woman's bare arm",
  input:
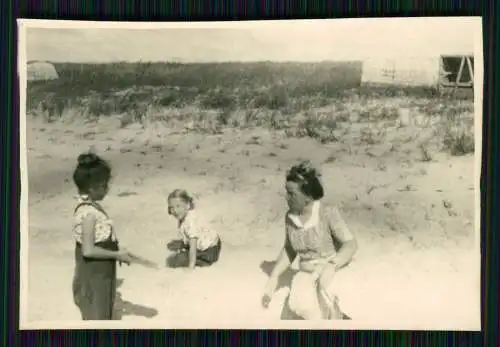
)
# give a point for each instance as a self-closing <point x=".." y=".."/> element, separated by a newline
<point x="346" y="253"/>
<point x="342" y="235"/>
<point x="285" y="258"/>
<point x="282" y="263"/>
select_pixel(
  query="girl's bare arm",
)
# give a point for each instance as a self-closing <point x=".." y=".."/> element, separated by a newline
<point x="89" y="249"/>
<point x="193" y="244"/>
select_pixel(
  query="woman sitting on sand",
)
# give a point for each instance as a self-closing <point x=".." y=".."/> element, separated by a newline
<point x="313" y="231"/>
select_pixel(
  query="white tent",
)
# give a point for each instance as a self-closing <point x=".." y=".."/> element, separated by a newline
<point x="41" y="71"/>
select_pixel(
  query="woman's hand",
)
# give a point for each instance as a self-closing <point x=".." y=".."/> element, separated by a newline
<point x="318" y="262"/>
<point x="268" y="293"/>
<point x="266" y="300"/>
<point x="313" y="265"/>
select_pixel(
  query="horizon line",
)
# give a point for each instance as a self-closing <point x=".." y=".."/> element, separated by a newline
<point x="246" y="61"/>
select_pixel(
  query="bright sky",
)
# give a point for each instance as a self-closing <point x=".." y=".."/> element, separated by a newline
<point x="344" y="39"/>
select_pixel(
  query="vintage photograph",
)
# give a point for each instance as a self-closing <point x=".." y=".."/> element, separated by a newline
<point x="309" y="174"/>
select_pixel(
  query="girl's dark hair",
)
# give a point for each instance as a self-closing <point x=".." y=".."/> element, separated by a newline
<point x="90" y="171"/>
<point x="184" y="196"/>
<point x="308" y="178"/>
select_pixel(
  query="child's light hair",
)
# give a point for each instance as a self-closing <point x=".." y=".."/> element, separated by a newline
<point x="181" y="194"/>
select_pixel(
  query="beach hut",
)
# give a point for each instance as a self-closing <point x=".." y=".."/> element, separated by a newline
<point x="41" y="71"/>
<point x="457" y="71"/>
<point x="450" y="70"/>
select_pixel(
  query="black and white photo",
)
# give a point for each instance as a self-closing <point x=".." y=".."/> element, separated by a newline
<point x="312" y="174"/>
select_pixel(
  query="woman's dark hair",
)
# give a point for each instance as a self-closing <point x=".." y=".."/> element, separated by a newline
<point x="184" y="196"/>
<point x="308" y="179"/>
<point x="91" y="171"/>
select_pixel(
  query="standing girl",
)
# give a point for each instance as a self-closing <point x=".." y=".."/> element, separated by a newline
<point x="318" y="235"/>
<point x="96" y="249"/>
<point x="201" y="245"/>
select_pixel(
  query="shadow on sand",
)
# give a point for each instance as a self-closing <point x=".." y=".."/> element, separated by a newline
<point x="174" y="245"/>
<point x="176" y="260"/>
<point x="126" y="308"/>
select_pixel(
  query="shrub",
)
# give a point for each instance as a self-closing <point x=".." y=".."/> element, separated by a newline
<point x="218" y="99"/>
<point x="459" y="140"/>
<point x="457" y="131"/>
<point x="305" y="100"/>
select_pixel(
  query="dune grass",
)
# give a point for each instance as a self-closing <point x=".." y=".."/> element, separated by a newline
<point x="321" y="100"/>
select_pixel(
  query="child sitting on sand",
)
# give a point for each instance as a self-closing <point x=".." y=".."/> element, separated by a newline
<point x="200" y="245"/>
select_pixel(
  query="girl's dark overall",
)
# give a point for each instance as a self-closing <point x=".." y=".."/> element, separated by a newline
<point x="94" y="282"/>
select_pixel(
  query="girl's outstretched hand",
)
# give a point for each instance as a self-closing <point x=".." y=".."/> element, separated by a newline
<point x="124" y="257"/>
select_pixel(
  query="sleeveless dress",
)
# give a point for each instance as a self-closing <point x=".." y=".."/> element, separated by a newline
<point x="310" y="241"/>
<point x="94" y="281"/>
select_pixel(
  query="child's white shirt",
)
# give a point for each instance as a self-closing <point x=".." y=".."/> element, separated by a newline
<point x="195" y="227"/>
